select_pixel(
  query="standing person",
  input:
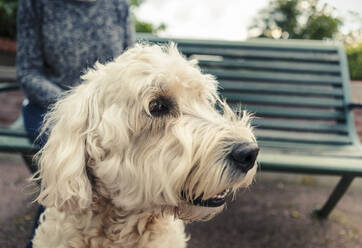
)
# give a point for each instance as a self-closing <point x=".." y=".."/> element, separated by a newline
<point x="57" y="41"/>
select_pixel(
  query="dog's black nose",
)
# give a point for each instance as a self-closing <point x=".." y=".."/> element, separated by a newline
<point x="243" y="155"/>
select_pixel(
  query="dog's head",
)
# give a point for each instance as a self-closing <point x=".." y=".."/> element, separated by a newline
<point x="147" y="130"/>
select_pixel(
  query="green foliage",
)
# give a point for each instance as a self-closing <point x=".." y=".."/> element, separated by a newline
<point x="284" y="15"/>
<point x="321" y="26"/>
<point x="136" y="3"/>
<point x="141" y="26"/>
<point x="296" y="19"/>
<point x="354" y="54"/>
<point x="8" y="10"/>
<point x="146" y="27"/>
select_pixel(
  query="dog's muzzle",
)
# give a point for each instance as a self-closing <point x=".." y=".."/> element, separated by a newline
<point x="216" y="201"/>
<point x="243" y="155"/>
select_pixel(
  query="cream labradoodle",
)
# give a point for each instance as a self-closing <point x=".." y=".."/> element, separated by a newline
<point x="142" y="146"/>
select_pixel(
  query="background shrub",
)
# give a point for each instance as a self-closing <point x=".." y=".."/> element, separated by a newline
<point x="8" y="10"/>
<point x="354" y="54"/>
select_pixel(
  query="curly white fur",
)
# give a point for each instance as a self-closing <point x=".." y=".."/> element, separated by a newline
<point x="115" y="175"/>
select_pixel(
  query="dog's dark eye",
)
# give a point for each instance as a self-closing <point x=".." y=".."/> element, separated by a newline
<point x="159" y="107"/>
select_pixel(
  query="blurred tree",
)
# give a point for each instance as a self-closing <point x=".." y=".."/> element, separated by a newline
<point x="141" y="26"/>
<point x="8" y="10"/>
<point x="296" y="19"/>
<point x="319" y="27"/>
<point x="354" y="36"/>
<point x="136" y="3"/>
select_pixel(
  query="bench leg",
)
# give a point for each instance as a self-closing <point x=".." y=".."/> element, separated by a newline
<point x="336" y="195"/>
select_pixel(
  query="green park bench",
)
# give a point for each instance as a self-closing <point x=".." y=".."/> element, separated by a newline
<point x="13" y="138"/>
<point x="299" y="92"/>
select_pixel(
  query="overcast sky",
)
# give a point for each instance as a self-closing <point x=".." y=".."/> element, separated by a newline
<point x="217" y="19"/>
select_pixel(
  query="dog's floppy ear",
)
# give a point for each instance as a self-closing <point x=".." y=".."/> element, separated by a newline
<point x="62" y="161"/>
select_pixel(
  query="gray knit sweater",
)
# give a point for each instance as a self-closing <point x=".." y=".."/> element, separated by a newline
<point x="58" y="40"/>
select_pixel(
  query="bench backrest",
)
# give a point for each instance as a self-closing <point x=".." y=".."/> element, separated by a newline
<point x="299" y="89"/>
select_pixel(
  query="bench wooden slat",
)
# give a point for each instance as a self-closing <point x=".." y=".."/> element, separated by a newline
<point x="296" y="89"/>
<point x="7" y="74"/>
<point x="261" y="44"/>
<point x="16" y="144"/>
<point x="262" y="54"/>
<point x="300" y="125"/>
<point x="8" y="87"/>
<point x="16" y="129"/>
<point x="297" y="113"/>
<point x="292" y="78"/>
<point x="326" y="150"/>
<point x="271" y="66"/>
<point x="12" y="132"/>
<point x="246" y="98"/>
<point x="302" y="137"/>
<point x="272" y="161"/>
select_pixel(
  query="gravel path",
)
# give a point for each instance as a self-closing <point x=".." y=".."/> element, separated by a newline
<point x="274" y="212"/>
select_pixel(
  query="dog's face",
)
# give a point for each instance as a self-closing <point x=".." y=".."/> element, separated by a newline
<point x="147" y="131"/>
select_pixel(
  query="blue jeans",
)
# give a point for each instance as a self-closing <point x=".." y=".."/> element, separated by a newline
<point x="33" y="116"/>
